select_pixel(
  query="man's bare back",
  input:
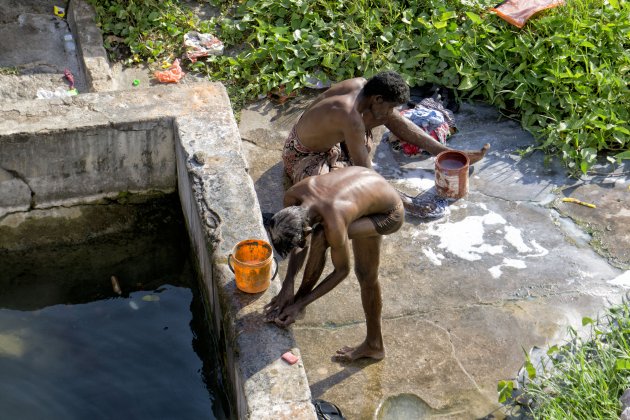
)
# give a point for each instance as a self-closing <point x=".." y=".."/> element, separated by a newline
<point x="338" y="201"/>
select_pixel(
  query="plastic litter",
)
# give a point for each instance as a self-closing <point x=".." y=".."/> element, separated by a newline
<point x="171" y="75"/>
<point x="60" y="92"/>
<point x="327" y="411"/>
<point x="135" y="82"/>
<point x="201" y="45"/>
<point x="68" y="43"/>
<point x="290" y="358"/>
<point x="60" y="12"/>
<point x="517" y="12"/>
<point x="69" y="77"/>
<point x="116" y="286"/>
<point x="576" y="201"/>
<point x="315" y="81"/>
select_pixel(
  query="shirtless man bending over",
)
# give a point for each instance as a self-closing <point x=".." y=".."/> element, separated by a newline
<point x="335" y="130"/>
<point x="352" y="203"/>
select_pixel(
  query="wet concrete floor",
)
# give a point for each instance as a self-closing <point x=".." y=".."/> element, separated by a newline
<point x="510" y="267"/>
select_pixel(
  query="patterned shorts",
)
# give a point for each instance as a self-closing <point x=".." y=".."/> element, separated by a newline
<point x="301" y="162"/>
<point x="389" y="222"/>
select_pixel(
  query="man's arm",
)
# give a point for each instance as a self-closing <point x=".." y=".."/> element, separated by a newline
<point x="354" y="136"/>
<point x="287" y="293"/>
<point x="407" y="131"/>
<point x="340" y="258"/>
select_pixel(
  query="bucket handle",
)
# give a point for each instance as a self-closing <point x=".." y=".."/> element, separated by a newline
<point x="230" y="265"/>
<point x="275" y="272"/>
<point x="274" y="260"/>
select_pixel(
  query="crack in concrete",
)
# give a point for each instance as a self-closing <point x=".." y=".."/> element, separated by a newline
<point x="540" y="203"/>
<point x="496" y="304"/>
<point x="19" y="176"/>
<point x="454" y="356"/>
<point x="250" y="141"/>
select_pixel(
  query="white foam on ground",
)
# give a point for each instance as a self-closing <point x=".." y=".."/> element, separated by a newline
<point x="514" y="238"/>
<point x="496" y="271"/>
<point x="540" y="250"/>
<point x="421" y="184"/>
<point x="432" y="256"/>
<point x="622" y="280"/>
<point x="465" y="238"/>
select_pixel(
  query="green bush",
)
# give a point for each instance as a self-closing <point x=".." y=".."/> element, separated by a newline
<point x="585" y="378"/>
<point x="564" y="75"/>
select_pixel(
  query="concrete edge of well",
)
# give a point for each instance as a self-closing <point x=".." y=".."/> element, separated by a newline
<point x="221" y="208"/>
<point x="93" y="60"/>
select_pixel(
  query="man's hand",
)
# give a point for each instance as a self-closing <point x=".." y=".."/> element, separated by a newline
<point x="288" y="315"/>
<point x="476" y="156"/>
<point x="274" y="308"/>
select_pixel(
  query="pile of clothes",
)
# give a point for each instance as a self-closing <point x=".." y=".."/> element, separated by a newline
<point x="432" y="116"/>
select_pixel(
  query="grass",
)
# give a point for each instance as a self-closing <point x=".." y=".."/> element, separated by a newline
<point x="563" y="76"/>
<point x="585" y="378"/>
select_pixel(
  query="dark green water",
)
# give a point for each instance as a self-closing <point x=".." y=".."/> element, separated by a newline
<point x="72" y="348"/>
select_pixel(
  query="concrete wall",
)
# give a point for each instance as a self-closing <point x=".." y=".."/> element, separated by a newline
<point x="65" y="152"/>
<point x="92" y="161"/>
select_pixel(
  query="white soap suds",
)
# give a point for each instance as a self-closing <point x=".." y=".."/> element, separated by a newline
<point x="514" y="238"/>
<point x="496" y="271"/>
<point x="622" y="280"/>
<point x="432" y="256"/>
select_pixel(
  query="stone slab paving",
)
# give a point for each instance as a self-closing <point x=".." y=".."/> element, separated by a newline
<point x="507" y="269"/>
<point x="32" y="44"/>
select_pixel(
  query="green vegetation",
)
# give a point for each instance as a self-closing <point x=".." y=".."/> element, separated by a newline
<point x="585" y="378"/>
<point x="564" y="75"/>
<point x="9" y="71"/>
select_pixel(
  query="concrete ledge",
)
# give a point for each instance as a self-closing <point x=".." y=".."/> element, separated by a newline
<point x="74" y="149"/>
<point x="89" y="39"/>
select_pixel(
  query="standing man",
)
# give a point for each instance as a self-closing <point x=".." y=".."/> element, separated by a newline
<point x="335" y="130"/>
<point x="349" y="204"/>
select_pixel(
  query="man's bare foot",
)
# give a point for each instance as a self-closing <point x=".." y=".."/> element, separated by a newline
<point x="349" y="354"/>
<point x="476" y="156"/>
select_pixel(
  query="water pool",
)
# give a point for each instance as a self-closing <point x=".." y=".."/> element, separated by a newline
<point x="72" y="347"/>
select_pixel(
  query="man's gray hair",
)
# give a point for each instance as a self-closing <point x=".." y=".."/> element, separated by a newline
<point x="287" y="228"/>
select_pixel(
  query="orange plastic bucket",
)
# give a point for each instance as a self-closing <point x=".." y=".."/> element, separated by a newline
<point x="251" y="262"/>
<point x="451" y="174"/>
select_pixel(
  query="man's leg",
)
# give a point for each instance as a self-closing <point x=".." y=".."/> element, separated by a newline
<point x="366" y="263"/>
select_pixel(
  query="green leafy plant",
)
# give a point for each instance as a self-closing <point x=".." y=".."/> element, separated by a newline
<point x="564" y="75"/>
<point x="584" y="378"/>
<point x="9" y="71"/>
